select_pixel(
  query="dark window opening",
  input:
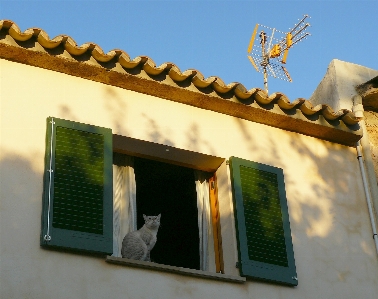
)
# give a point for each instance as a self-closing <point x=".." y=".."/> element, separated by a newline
<point x="169" y="190"/>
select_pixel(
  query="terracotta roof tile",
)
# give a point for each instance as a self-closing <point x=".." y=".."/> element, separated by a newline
<point x="215" y="84"/>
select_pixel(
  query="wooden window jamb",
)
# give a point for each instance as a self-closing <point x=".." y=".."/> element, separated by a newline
<point x="214" y="207"/>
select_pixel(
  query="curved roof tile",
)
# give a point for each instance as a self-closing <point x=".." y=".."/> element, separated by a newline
<point x="198" y="80"/>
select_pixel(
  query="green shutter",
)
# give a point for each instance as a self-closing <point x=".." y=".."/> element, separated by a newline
<point x="77" y="209"/>
<point x="262" y="220"/>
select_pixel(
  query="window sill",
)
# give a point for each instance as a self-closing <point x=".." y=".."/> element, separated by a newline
<point x="173" y="269"/>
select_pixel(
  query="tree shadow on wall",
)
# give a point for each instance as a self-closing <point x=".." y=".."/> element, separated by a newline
<point x="328" y="213"/>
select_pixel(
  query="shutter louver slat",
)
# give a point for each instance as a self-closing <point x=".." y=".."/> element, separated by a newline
<point x="76" y="153"/>
<point x="80" y="196"/>
<point x="262" y="221"/>
<point x="262" y="213"/>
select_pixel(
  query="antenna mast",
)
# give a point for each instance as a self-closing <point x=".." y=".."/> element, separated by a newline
<point x="269" y="55"/>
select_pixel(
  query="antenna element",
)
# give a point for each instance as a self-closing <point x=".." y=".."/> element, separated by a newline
<point x="268" y="54"/>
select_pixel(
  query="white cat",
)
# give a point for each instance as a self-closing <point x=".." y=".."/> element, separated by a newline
<point x="138" y="244"/>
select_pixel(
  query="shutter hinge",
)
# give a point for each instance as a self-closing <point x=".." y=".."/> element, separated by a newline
<point x="227" y="162"/>
<point x="237" y="265"/>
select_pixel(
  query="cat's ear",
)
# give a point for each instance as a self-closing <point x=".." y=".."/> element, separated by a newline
<point x="144" y="217"/>
<point x="159" y="217"/>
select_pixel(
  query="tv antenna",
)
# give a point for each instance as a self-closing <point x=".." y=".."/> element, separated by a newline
<point x="268" y="53"/>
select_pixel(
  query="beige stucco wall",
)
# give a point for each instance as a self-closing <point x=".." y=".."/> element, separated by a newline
<point x="371" y="122"/>
<point x="334" y="250"/>
<point x="337" y="87"/>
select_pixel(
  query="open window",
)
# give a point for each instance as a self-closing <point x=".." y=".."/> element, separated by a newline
<point x="78" y="164"/>
<point x="175" y="192"/>
<point x="84" y="207"/>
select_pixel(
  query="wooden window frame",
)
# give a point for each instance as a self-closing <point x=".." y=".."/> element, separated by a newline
<point x="215" y="216"/>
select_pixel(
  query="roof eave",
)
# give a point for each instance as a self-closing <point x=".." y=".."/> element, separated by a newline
<point x="169" y="83"/>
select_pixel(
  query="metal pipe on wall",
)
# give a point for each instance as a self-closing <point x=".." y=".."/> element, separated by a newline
<point x="367" y="194"/>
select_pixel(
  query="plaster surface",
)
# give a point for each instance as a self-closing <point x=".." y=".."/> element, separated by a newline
<point x="337" y="88"/>
<point x="371" y="122"/>
<point x="333" y="248"/>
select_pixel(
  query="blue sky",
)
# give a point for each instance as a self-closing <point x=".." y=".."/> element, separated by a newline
<point x="213" y="36"/>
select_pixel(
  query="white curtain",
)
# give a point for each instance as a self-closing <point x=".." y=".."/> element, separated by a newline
<point x="124" y="202"/>
<point x="204" y="221"/>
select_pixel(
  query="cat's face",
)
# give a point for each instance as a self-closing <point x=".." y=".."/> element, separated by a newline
<point x="152" y="221"/>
